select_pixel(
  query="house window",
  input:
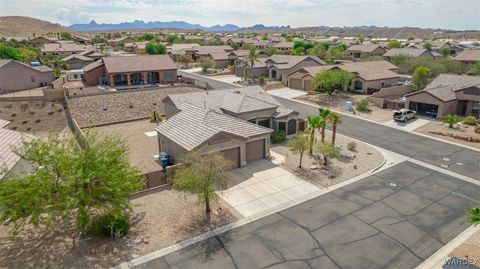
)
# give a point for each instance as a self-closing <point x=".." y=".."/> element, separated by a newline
<point x="282" y="126"/>
<point x="264" y="123"/>
<point x="168" y="76"/>
<point x="32" y="78"/>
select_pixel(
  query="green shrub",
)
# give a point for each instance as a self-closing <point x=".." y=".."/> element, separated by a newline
<point x="477" y="129"/>
<point x="362" y="105"/>
<point x="352" y="146"/>
<point x="278" y="136"/>
<point x="470" y="120"/>
<point x="261" y="79"/>
<point x="112" y="224"/>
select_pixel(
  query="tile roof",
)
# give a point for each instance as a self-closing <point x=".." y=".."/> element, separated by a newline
<point x="203" y="50"/>
<point x="472" y="55"/>
<point x="10" y="140"/>
<point x="138" y="63"/>
<point x="77" y="56"/>
<point x="41" y="68"/>
<point x="455" y="81"/>
<point x="412" y="52"/>
<point x="120" y="106"/>
<point x="246" y="99"/>
<point x="363" y="47"/>
<point x="444" y="86"/>
<point x="289" y="61"/>
<point x="93" y="65"/>
<point x="284" y="44"/>
<point x="193" y="126"/>
<point x="56" y="47"/>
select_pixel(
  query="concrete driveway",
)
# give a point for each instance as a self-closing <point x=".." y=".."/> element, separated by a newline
<point x="396" y="218"/>
<point x="287" y="93"/>
<point x="409" y="125"/>
<point x="262" y="185"/>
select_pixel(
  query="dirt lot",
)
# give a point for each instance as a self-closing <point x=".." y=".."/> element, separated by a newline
<point x="364" y="158"/>
<point x="336" y="102"/>
<point x="469" y="249"/>
<point x="35" y="117"/>
<point x="160" y="219"/>
<point x="462" y="130"/>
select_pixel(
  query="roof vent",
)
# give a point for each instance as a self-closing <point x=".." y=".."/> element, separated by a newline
<point x="104" y="108"/>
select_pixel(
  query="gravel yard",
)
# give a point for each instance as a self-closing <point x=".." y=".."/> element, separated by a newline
<point x="336" y="102"/>
<point x="470" y="249"/>
<point x="349" y="165"/>
<point x="462" y="131"/>
<point x="160" y="219"/>
<point x="34" y="117"/>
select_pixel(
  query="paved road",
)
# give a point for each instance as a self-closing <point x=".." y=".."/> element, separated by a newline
<point x="411" y="145"/>
<point x="216" y="84"/>
<point x="394" y="219"/>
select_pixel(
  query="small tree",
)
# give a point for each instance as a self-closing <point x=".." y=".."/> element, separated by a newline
<point x="445" y="51"/>
<point x="335" y="119"/>
<point x="201" y="175"/>
<point x="327" y="150"/>
<point x="252" y="57"/>
<point x="70" y="181"/>
<point x="450" y="119"/>
<point x="474" y="216"/>
<point x="205" y="63"/>
<point x="156" y="117"/>
<point x="362" y="105"/>
<point x="323" y="113"/>
<point x="474" y="69"/>
<point x="330" y="81"/>
<point x="314" y="123"/>
<point x="427" y="45"/>
<point x="154" y="48"/>
<point x="420" y="77"/>
<point x="299" y="145"/>
<point x="185" y="59"/>
<point x="394" y="44"/>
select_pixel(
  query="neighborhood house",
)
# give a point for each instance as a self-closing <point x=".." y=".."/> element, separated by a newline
<point x="235" y="122"/>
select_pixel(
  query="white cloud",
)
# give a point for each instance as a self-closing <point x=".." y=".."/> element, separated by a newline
<point x="463" y="14"/>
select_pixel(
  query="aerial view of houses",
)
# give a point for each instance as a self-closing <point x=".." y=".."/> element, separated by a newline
<point x="251" y="134"/>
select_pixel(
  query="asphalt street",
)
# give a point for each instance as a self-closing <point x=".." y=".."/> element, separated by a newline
<point x="396" y="218"/>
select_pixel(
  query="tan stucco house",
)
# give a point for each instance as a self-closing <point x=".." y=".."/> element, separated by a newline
<point x="236" y="122"/>
<point x="365" y="50"/>
<point x="130" y="71"/>
<point x="448" y="94"/>
<point x="15" y="76"/>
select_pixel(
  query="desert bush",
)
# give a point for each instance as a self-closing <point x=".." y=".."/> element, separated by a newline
<point x="13" y="115"/>
<point x="362" y="105"/>
<point x="352" y="146"/>
<point x="278" y="136"/>
<point x="38" y="120"/>
<point x="25" y="122"/>
<point x="470" y="120"/>
<point x="477" y="129"/>
<point x="111" y="224"/>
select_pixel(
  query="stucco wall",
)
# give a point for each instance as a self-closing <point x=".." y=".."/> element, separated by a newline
<point x="91" y="77"/>
<point x="16" y="76"/>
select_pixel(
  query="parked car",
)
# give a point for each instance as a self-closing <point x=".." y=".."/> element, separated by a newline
<point x="404" y="115"/>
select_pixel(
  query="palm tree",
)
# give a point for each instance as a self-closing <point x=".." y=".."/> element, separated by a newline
<point x="314" y="123"/>
<point x="324" y="113"/>
<point x="450" y="119"/>
<point x="252" y="57"/>
<point x="335" y="119"/>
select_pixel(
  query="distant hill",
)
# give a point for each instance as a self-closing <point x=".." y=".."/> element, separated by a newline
<point x="25" y="26"/>
<point x="93" y="26"/>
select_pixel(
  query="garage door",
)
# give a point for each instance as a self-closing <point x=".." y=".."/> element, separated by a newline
<point x="233" y="155"/>
<point x="255" y="150"/>
<point x="295" y="83"/>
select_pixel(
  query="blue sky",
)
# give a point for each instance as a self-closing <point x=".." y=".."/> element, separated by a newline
<point x="447" y="14"/>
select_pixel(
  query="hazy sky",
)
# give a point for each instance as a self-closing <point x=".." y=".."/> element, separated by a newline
<point x="448" y="14"/>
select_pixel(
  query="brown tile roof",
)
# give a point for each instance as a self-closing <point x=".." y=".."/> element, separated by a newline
<point x="283" y="44"/>
<point x="363" y="47"/>
<point x="64" y="47"/>
<point x="468" y="55"/>
<point x="289" y="61"/>
<point x="412" y="52"/>
<point x="138" y="63"/>
<point x="455" y="81"/>
<point x="372" y="70"/>
<point x="120" y="106"/>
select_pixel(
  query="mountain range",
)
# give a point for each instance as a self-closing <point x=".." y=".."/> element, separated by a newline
<point x="139" y="24"/>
